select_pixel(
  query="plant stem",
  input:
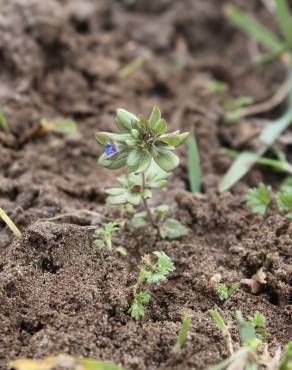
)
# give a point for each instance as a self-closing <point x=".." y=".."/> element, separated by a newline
<point x="146" y="206"/>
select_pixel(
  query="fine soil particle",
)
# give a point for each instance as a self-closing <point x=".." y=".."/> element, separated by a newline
<point x="60" y="295"/>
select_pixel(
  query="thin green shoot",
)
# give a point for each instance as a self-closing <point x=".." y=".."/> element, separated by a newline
<point x="194" y="168"/>
<point x="15" y="230"/>
<point x="183" y="332"/>
<point x="135" y="64"/>
<point x="258" y="199"/>
<point x="284" y="19"/>
<point x="284" y="202"/>
<point x="104" y="235"/>
<point x="218" y="320"/>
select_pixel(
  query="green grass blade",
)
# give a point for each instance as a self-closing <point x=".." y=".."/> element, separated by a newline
<point x="134" y="65"/>
<point x="253" y="29"/>
<point x="247" y="159"/>
<point x="194" y="168"/>
<point x="183" y="332"/>
<point x="218" y="320"/>
<point x="284" y="19"/>
<point x="15" y="230"/>
<point x="3" y="121"/>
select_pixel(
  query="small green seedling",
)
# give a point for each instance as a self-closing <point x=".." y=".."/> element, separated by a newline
<point x="104" y="235"/>
<point x="284" y="202"/>
<point x="216" y="87"/>
<point x="223" y="292"/>
<point x="145" y="147"/>
<point x="258" y="198"/>
<point x="15" y="230"/>
<point x="251" y="354"/>
<point x="150" y="272"/>
<point x="183" y="332"/>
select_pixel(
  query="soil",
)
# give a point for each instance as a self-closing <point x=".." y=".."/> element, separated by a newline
<point x="60" y="295"/>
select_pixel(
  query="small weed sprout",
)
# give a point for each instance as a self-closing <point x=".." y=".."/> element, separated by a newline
<point x="183" y="332"/>
<point x="258" y="199"/>
<point x="104" y="235"/>
<point x="145" y="147"/>
<point x="223" y="292"/>
<point x="150" y="272"/>
<point x="253" y="353"/>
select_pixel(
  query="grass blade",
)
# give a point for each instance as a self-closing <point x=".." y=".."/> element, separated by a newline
<point x="183" y="332"/>
<point x="255" y="30"/>
<point x="15" y="230"/>
<point x="194" y="169"/>
<point x="284" y="19"/>
<point x="247" y="159"/>
<point x="134" y="65"/>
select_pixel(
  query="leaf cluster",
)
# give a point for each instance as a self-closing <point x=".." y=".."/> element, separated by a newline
<point x="133" y="191"/>
<point x="150" y="272"/>
<point x="258" y="199"/>
<point x="141" y="141"/>
<point x="225" y="292"/>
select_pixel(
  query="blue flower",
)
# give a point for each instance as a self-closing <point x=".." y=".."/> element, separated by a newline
<point x="109" y="149"/>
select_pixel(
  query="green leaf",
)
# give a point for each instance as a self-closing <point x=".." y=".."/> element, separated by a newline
<point x="253" y="29"/>
<point x="172" y="229"/>
<point x="183" y="332"/>
<point x="284" y="201"/>
<point x="125" y="119"/>
<point x="117" y="199"/>
<point x="165" y="159"/>
<point x="137" y="309"/>
<point x="162" y="267"/>
<point x="194" y="168"/>
<point x="218" y="320"/>
<point x="154" y="117"/>
<point x="143" y="164"/>
<point x="258" y="319"/>
<point x="134" y="157"/>
<point x="160" y="127"/>
<point x="246" y="329"/>
<point x="139" y="220"/>
<point x="62" y="126"/>
<point x="284" y="19"/>
<point x="222" y="291"/>
<point x="115" y="162"/>
<point x="258" y="199"/>
<point x="91" y="364"/>
<point x="216" y="87"/>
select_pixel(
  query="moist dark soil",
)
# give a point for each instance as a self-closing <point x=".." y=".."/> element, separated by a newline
<point x="60" y="295"/>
